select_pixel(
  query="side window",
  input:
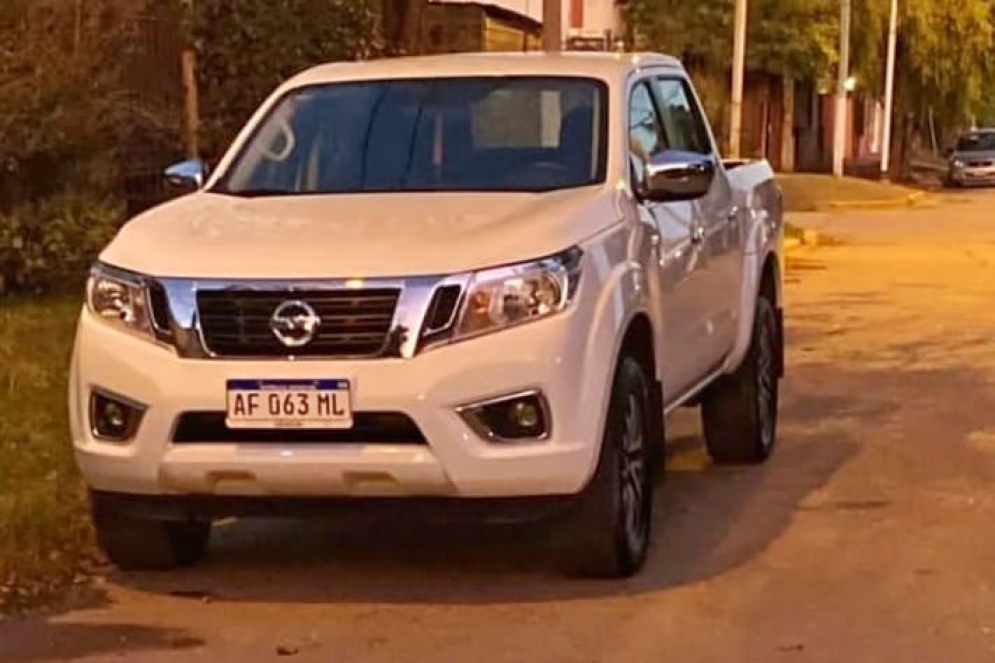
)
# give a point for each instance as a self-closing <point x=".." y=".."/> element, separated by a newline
<point x="645" y="137"/>
<point x="683" y="120"/>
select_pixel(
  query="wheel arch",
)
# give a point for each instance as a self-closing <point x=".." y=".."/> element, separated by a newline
<point x="639" y="340"/>
<point x="761" y="276"/>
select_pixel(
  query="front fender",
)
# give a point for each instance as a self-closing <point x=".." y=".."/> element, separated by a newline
<point x="622" y="295"/>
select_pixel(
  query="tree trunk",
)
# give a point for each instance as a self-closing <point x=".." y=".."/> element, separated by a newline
<point x="787" y="125"/>
<point x="402" y="25"/>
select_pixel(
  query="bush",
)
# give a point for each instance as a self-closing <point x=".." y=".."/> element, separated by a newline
<point x="66" y="109"/>
<point x="48" y="246"/>
<point x="245" y="49"/>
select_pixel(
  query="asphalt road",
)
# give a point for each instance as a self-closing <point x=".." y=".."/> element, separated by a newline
<point x="866" y="538"/>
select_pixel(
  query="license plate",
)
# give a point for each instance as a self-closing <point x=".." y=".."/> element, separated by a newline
<point x="289" y="404"/>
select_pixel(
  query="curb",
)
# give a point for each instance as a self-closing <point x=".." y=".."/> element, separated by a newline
<point x="808" y="239"/>
<point x="909" y="200"/>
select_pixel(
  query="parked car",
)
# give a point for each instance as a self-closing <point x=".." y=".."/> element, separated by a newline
<point x="972" y="161"/>
<point x="463" y="282"/>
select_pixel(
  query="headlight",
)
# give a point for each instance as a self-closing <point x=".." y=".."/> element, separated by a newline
<point x="509" y="296"/>
<point x="958" y="163"/>
<point x="119" y="298"/>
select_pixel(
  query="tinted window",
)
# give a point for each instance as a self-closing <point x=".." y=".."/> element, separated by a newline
<point x="683" y="122"/>
<point x="645" y="137"/>
<point x="979" y="142"/>
<point x="487" y="133"/>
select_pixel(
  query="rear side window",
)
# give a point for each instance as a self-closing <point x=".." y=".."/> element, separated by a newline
<point x="645" y="135"/>
<point x="683" y="122"/>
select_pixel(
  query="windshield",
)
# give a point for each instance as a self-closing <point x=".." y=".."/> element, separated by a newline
<point x="978" y="142"/>
<point x="435" y="134"/>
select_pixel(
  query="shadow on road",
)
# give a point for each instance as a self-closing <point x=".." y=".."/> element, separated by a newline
<point x="35" y="641"/>
<point x="708" y="520"/>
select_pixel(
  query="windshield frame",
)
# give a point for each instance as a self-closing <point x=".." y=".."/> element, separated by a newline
<point x="239" y="152"/>
<point x="984" y="138"/>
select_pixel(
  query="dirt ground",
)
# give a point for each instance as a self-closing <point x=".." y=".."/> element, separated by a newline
<point x="866" y="538"/>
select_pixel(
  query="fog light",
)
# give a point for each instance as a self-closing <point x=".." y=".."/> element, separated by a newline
<point x="525" y="415"/>
<point x="518" y="417"/>
<point x="113" y="417"/>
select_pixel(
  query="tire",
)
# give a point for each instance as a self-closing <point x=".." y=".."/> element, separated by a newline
<point x="739" y="411"/>
<point x="608" y="534"/>
<point x="142" y="544"/>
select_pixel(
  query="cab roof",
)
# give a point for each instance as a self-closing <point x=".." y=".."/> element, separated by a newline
<point x="596" y="64"/>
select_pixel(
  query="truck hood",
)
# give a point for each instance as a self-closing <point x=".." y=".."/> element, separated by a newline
<point x="207" y="235"/>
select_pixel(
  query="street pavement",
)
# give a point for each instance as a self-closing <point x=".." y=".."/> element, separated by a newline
<point x="868" y="536"/>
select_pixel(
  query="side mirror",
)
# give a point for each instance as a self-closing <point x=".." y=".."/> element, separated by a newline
<point x="673" y="176"/>
<point x="187" y="175"/>
<point x="948" y="152"/>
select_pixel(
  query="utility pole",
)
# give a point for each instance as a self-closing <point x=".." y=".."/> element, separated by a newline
<point x="889" y="89"/>
<point x="840" y="117"/>
<point x="738" y="72"/>
<point x="552" y="25"/>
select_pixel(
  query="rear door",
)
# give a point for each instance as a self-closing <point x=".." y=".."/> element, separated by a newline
<point x="716" y="228"/>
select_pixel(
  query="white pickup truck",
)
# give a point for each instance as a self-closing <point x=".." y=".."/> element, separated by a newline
<point x="458" y="282"/>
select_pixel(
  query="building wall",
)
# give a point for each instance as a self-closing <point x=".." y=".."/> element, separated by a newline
<point x="593" y="18"/>
<point x="457" y="28"/>
<point x="503" y="35"/>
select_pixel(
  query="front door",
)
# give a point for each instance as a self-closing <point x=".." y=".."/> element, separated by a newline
<point x="717" y="221"/>
<point x="676" y="256"/>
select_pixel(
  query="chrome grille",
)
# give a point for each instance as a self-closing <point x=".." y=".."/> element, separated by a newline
<point x="354" y="323"/>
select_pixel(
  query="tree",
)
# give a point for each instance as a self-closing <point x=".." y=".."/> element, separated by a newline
<point x="245" y="49"/>
<point x="64" y="111"/>
<point x="944" y="51"/>
<point x="402" y="21"/>
<point x="793" y="38"/>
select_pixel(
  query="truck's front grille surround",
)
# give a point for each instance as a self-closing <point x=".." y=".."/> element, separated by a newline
<point x="361" y="318"/>
<point x="442" y="311"/>
<point x="354" y="323"/>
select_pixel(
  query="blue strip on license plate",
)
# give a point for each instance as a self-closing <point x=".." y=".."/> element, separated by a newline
<point x="284" y="385"/>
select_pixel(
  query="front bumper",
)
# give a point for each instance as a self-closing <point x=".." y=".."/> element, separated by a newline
<point x="984" y="176"/>
<point x="454" y="461"/>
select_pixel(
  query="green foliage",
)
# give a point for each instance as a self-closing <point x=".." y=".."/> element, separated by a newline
<point x="795" y="38"/>
<point x="787" y="37"/>
<point x="945" y="57"/>
<point x="64" y="112"/>
<point x="45" y="538"/>
<point x="944" y="53"/>
<point x="48" y="245"/>
<point x="245" y="48"/>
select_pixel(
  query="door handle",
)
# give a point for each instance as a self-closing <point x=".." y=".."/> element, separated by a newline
<point x="697" y="235"/>
<point x="733" y="215"/>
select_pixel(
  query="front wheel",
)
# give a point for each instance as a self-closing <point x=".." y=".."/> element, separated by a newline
<point x="739" y="411"/>
<point x="608" y="536"/>
<point x="133" y="543"/>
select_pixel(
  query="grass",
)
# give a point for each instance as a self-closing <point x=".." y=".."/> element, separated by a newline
<point x="804" y="192"/>
<point x="44" y="532"/>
